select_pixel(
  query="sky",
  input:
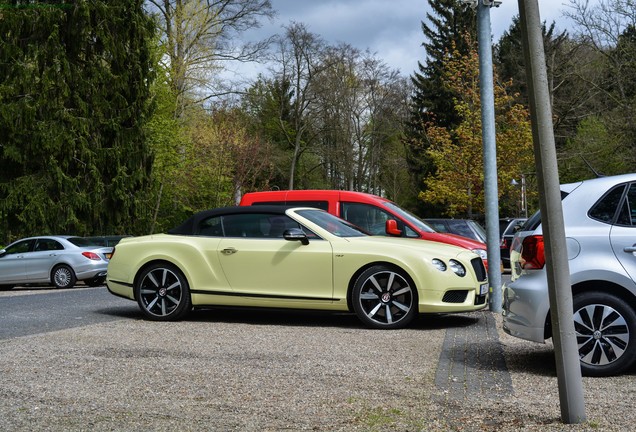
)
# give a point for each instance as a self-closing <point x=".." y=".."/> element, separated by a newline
<point x="389" y="28"/>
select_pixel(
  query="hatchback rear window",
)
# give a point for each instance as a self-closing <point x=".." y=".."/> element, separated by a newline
<point x="605" y="209"/>
<point x="534" y="221"/>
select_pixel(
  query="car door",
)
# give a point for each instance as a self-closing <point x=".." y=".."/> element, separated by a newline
<point x="40" y="261"/>
<point x="256" y="259"/>
<point x="13" y="264"/>
<point x="623" y="234"/>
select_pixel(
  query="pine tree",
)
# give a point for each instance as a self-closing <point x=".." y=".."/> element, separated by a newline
<point x="444" y="28"/>
<point x="74" y="100"/>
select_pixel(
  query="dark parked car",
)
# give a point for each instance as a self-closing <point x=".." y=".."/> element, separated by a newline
<point x="109" y="241"/>
<point x="463" y="227"/>
<point x="507" y="229"/>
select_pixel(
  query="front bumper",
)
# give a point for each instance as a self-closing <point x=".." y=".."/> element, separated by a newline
<point x="526" y="306"/>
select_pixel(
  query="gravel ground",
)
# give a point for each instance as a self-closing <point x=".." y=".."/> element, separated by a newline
<point x="277" y="371"/>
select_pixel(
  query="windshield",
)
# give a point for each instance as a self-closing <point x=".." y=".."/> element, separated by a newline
<point x="331" y="223"/>
<point x="411" y="218"/>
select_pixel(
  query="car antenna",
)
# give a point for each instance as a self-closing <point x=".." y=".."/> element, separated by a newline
<point x="596" y="173"/>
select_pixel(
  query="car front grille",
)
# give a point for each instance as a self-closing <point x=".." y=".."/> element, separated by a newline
<point x="455" y="296"/>
<point x="478" y="267"/>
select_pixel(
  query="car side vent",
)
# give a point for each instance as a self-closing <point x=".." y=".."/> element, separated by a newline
<point x="480" y="270"/>
<point x="456" y="296"/>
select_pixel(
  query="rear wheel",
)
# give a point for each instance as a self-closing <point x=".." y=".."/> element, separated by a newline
<point x="162" y="293"/>
<point x="383" y="298"/>
<point x="605" y="329"/>
<point x="63" y="277"/>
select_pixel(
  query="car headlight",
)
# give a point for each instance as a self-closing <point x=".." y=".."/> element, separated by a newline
<point x="457" y="268"/>
<point x="439" y="264"/>
<point x="482" y="253"/>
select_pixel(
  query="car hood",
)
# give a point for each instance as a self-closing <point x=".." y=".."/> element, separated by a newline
<point x="456" y="240"/>
<point x="425" y="246"/>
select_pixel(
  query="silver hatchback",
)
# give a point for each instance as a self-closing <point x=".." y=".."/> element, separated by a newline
<point x="57" y="260"/>
<point x="600" y="228"/>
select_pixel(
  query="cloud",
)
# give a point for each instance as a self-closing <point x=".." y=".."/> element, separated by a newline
<point x="390" y="29"/>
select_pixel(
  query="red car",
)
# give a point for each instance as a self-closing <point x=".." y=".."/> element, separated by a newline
<point x="376" y="215"/>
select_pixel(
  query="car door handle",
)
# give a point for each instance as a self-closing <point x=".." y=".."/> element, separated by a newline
<point x="631" y="249"/>
<point x="229" y="251"/>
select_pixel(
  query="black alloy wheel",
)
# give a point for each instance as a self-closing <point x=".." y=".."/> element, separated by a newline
<point x="605" y="329"/>
<point x="162" y="293"/>
<point x="383" y="298"/>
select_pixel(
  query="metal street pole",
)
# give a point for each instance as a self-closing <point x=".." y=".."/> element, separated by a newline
<point x="489" y="143"/>
<point x="559" y="287"/>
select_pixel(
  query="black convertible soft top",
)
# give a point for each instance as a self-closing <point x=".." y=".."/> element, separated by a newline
<point x="187" y="227"/>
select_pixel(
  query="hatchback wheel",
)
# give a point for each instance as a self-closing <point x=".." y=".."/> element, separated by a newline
<point x="162" y="293"/>
<point x="605" y="329"/>
<point x="383" y="298"/>
<point x="63" y="277"/>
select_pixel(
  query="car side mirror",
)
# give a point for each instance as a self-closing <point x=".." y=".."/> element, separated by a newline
<point x="296" y="234"/>
<point x="3" y="252"/>
<point x="391" y="228"/>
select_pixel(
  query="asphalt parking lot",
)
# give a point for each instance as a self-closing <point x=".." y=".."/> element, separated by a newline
<point x="271" y="370"/>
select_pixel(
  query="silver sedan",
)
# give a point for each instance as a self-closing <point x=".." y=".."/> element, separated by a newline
<point x="57" y="260"/>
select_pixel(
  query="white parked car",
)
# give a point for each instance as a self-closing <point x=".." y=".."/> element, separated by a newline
<point x="600" y="228"/>
<point x="57" y="260"/>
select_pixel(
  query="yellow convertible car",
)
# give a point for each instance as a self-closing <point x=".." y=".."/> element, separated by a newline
<point x="304" y="258"/>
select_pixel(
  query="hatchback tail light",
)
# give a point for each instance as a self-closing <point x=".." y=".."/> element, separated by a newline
<point x="532" y="253"/>
<point x="91" y="256"/>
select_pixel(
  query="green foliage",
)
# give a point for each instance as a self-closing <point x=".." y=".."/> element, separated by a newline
<point x="443" y="30"/>
<point x="594" y="149"/>
<point x="457" y="151"/>
<point x="74" y="100"/>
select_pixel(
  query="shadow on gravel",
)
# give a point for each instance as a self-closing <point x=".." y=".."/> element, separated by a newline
<point x="121" y="311"/>
<point x="293" y="317"/>
<point x="280" y="317"/>
<point x="534" y="359"/>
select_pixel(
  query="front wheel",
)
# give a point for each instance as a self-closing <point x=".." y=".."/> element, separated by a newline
<point x="162" y="293"/>
<point x="63" y="277"/>
<point x="605" y="328"/>
<point x="384" y="299"/>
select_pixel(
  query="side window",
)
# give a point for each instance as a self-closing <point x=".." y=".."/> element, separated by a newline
<point x="248" y="225"/>
<point x="605" y="209"/>
<point x="322" y="205"/>
<point x="47" y="245"/>
<point x="368" y="217"/>
<point x="21" y="247"/>
<point x="211" y="227"/>
<point x="438" y="225"/>
<point x="627" y="214"/>
<point x="461" y="228"/>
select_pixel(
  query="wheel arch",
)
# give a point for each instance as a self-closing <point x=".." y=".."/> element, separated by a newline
<point x="141" y="269"/>
<point x="356" y="275"/>
<point x="58" y="265"/>
<point x="596" y="286"/>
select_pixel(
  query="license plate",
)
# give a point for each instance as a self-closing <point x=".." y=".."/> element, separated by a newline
<point x="483" y="289"/>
